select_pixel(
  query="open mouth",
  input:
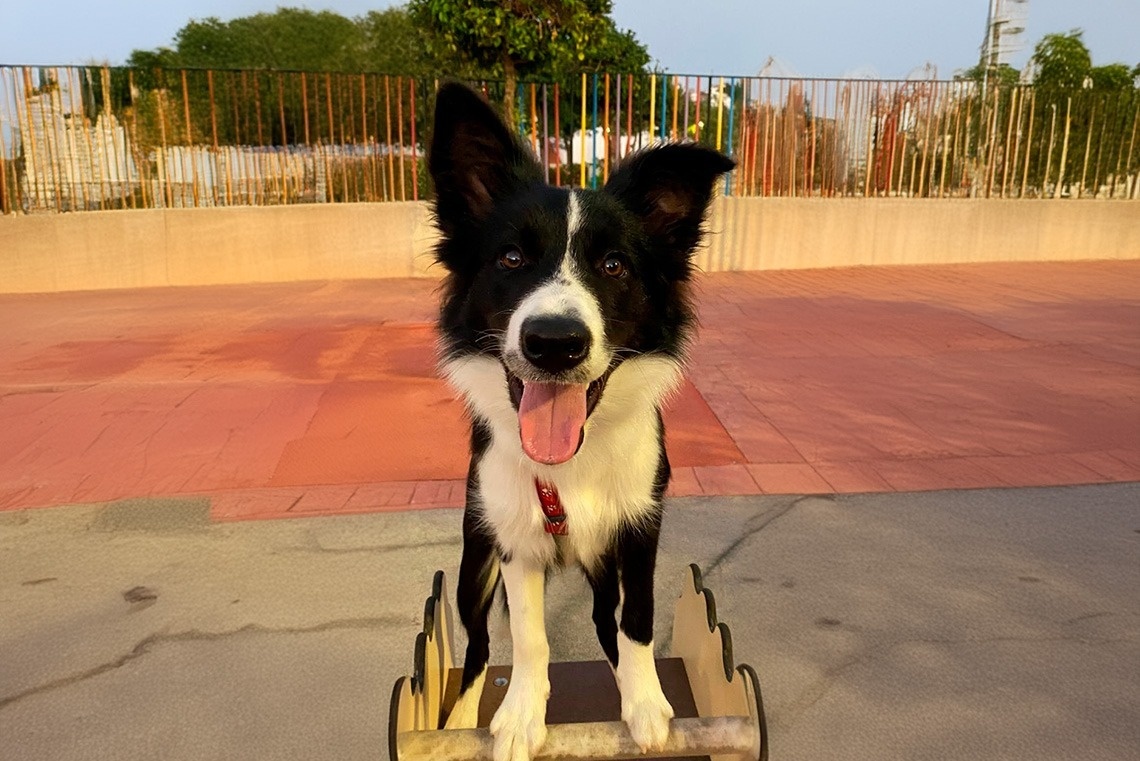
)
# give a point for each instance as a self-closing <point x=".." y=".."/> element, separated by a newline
<point x="552" y="416"/>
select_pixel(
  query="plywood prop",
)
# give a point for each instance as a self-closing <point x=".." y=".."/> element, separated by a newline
<point x="718" y="709"/>
<point x="704" y="644"/>
<point x="417" y="701"/>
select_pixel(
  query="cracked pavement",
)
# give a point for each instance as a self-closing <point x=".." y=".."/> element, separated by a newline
<point x="995" y="624"/>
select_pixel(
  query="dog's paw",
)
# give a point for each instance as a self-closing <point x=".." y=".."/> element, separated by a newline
<point x="647" y="715"/>
<point x="519" y="726"/>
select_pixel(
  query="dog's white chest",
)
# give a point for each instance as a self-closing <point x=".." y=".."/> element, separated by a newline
<point x="600" y="491"/>
<point x="607" y="485"/>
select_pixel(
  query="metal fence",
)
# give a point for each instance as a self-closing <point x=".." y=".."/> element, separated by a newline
<point x="89" y="138"/>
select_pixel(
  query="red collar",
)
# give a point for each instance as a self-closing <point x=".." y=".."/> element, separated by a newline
<point x="551" y="509"/>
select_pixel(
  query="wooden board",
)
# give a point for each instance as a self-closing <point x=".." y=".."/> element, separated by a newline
<point x="581" y="692"/>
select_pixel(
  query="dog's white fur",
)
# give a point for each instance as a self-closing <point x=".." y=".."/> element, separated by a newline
<point x="607" y="483"/>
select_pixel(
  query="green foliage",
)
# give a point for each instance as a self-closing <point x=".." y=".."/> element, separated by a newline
<point x="160" y="58"/>
<point x="528" y="38"/>
<point x="539" y="40"/>
<point x="1002" y="75"/>
<point x="524" y="33"/>
<point x="615" y="50"/>
<point x="299" y="40"/>
<point x="1062" y="60"/>
<point x="393" y="44"/>
<point x="289" y="38"/>
<point x="1114" y="76"/>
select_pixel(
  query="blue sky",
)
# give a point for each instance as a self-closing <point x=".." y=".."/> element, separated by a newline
<point x="809" y="37"/>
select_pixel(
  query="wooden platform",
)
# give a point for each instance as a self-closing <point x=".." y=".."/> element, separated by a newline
<point x="718" y="707"/>
<point x="583" y="691"/>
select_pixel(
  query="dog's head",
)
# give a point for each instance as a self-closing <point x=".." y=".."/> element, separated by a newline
<point x="559" y="287"/>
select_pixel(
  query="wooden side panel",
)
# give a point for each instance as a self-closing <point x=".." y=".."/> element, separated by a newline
<point x="419" y="669"/>
<point x="401" y="715"/>
<point x="444" y="626"/>
<point x="432" y="659"/>
<point x="705" y="646"/>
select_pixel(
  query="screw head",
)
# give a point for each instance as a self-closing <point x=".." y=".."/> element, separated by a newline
<point x="501" y="681"/>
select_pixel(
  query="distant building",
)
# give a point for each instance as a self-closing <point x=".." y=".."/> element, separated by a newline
<point x="69" y="162"/>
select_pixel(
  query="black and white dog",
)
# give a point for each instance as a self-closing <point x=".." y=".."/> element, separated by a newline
<point x="564" y="322"/>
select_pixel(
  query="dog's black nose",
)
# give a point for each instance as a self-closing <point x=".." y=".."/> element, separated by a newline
<point x="555" y="344"/>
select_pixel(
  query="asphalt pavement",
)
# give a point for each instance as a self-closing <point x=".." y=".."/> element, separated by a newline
<point x="975" y="624"/>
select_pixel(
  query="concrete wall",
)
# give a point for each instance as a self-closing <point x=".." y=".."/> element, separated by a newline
<point x="157" y="247"/>
<point x="795" y="233"/>
<point x="125" y="249"/>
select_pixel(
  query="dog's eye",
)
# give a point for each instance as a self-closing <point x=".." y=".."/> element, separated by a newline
<point x="613" y="266"/>
<point x="511" y="259"/>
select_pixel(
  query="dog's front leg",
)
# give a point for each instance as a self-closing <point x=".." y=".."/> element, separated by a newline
<point x="644" y="707"/>
<point x="519" y="726"/>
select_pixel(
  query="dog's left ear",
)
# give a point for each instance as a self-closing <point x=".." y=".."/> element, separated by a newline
<point x="669" y="189"/>
<point x="474" y="158"/>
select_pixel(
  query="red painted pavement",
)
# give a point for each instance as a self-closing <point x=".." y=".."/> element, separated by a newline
<point x="318" y="398"/>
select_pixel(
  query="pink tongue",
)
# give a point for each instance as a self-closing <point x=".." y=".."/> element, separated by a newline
<point x="551" y="416"/>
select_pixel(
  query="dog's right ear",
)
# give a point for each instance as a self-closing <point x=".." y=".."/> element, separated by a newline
<point x="474" y="158"/>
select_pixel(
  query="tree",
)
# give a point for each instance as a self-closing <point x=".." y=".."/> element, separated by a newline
<point x="147" y="62"/>
<point x="1062" y="60"/>
<point x="1114" y="76"/>
<point x="518" y="37"/>
<point x="615" y="50"/>
<point x="289" y="38"/>
<point x="296" y="39"/>
<point x="160" y="58"/>
<point x="1002" y="75"/>
<point x="393" y="44"/>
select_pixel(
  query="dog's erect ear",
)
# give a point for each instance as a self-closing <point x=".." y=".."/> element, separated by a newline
<point x="669" y="188"/>
<point x="474" y="157"/>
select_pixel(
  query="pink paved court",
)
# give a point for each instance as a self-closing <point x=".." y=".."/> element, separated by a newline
<point x="321" y="398"/>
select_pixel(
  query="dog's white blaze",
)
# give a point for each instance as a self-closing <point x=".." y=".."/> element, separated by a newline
<point x="520" y="720"/>
<point x="606" y="485"/>
<point x="573" y="219"/>
<point x="643" y="704"/>
<point x="565" y="295"/>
